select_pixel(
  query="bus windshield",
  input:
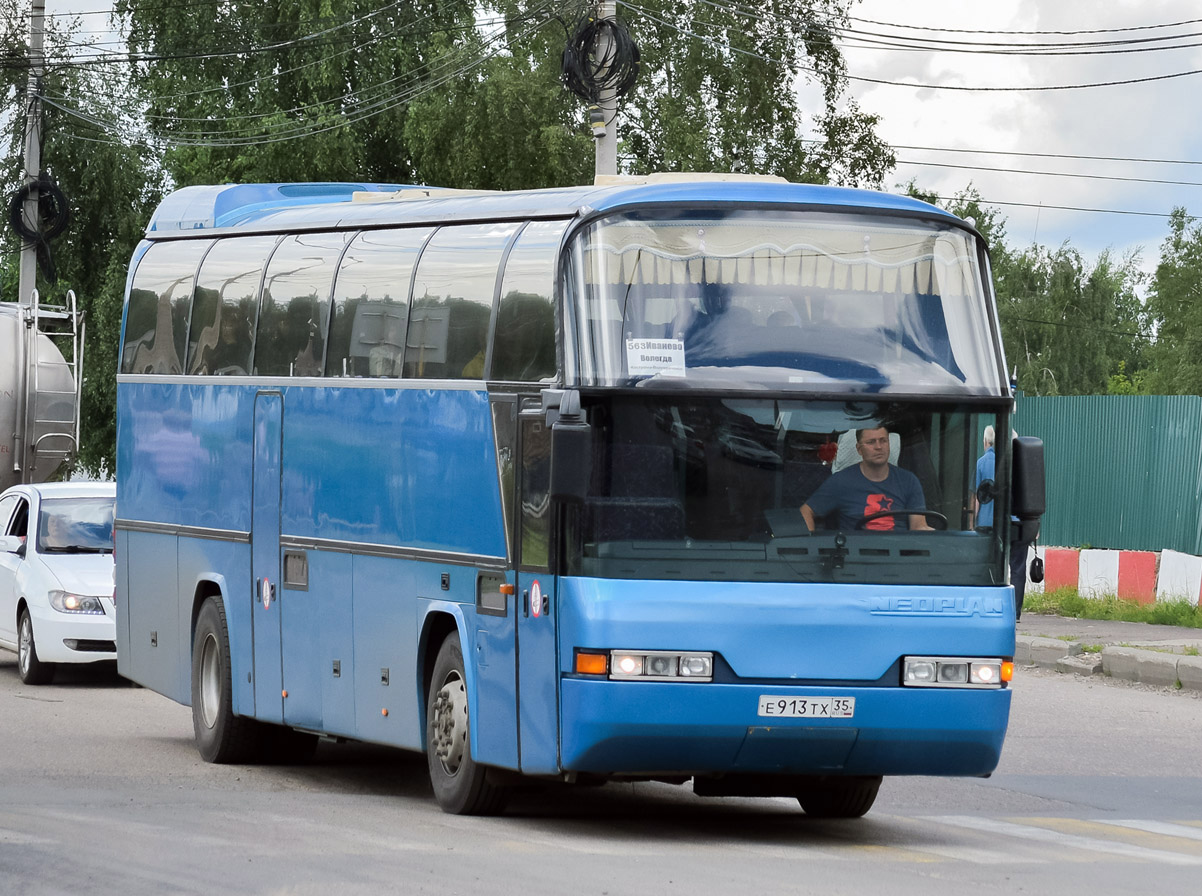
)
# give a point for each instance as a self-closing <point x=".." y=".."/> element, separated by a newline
<point x="804" y="301"/>
<point x="713" y="486"/>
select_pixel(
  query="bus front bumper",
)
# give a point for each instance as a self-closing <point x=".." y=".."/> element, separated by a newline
<point x="651" y="728"/>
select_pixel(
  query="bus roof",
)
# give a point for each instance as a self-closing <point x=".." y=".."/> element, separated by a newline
<point x="276" y="207"/>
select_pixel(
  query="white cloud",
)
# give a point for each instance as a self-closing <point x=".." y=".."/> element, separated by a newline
<point x="1152" y="120"/>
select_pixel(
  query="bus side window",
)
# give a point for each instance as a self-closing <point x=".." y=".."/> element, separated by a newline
<point x="453" y="297"/>
<point x="535" y="502"/>
<point x="231" y="272"/>
<point x="370" y="311"/>
<point x="524" y="342"/>
<point x="296" y="297"/>
<point x="159" y="304"/>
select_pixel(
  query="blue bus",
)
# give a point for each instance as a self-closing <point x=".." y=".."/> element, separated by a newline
<point x="515" y="479"/>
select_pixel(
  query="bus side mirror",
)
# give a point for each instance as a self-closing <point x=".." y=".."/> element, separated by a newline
<point x="1027" y="492"/>
<point x="571" y="451"/>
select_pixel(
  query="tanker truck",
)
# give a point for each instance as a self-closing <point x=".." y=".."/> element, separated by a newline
<point x="41" y="354"/>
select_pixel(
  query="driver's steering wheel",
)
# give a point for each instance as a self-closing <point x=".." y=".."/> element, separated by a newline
<point x="936" y="519"/>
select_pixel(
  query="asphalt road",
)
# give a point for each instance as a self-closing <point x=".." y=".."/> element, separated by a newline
<point x="102" y="792"/>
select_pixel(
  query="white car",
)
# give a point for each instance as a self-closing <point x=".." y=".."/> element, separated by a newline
<point x="56" y="575"/>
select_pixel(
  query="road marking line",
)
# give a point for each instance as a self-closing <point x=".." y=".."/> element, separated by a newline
<point x="975" y="856"/>
<point x="1052" y="837"/>
<point x="1156" y="827"/>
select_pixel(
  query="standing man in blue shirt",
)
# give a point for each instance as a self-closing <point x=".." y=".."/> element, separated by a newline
<point x="986" y="466"/>
<point x="871" y="486"/>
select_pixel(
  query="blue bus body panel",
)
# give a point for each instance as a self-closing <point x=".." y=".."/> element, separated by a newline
<point x="782" y="640"/>
<point x="417" y="469"/>
<point x="351" y="497"/>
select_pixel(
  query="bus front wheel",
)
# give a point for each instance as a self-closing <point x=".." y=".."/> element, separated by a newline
<point x="836" y="797"/>
<point x="221" y="736"/>
<point x="461" y="785"/>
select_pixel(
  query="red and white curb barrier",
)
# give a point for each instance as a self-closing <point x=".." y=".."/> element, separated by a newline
<point x="1141" y="576"/>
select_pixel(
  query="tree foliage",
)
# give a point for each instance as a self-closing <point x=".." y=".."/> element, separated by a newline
<point x="1175" y="302"/>
<point x="1068" y="326"/>
<point x="111" y="189"/>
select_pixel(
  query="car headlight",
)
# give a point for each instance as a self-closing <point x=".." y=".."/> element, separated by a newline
<point x="67" y="602"/>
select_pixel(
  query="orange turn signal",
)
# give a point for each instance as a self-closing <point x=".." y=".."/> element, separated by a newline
<point x="592" y="663"/>
<point x="1007" y="671"/>
<point x="506" y="588"/>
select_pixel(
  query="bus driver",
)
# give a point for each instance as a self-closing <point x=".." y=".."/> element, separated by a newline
<point x="871" y="486"/>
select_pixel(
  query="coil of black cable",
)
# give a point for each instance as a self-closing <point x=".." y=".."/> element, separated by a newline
<point x="53" y="212"/>
<point x="586" y="75"/>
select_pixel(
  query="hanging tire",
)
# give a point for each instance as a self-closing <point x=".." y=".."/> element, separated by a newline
<point x="839" y="797"/>
<point x="220" y="735"/>
<point x="461" y="785"/>
<point x="31" y="669"/>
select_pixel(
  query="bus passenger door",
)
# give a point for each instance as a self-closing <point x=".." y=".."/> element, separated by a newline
<point x="538" y="675"/>
<point x="265" y="555"/>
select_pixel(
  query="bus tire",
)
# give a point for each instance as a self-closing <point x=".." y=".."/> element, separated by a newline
<point x="839" y="797"/>
<point x="221" y="736"/>
<point x="461" y="785"/>
<point x="29" y="667"/>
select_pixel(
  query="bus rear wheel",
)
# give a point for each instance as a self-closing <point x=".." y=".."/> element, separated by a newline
<point x="836" y="797"/>
<point x="461" y="785"/>
<point x="221" y="736"/>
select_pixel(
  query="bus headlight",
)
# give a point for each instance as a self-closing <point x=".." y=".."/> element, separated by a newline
<point x="955" y="672"/>
<point x="647" y="665"/>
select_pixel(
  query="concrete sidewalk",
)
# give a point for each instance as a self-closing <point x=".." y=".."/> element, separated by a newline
<point x="1161" y="655"/>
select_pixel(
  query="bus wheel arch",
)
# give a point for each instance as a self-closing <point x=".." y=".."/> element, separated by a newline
<point x="461" y="785"/>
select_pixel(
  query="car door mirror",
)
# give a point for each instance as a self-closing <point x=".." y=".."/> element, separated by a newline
<point x="12" y="544"/>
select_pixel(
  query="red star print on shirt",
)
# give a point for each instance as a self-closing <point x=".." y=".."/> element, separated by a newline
<point x="876" y="504"/>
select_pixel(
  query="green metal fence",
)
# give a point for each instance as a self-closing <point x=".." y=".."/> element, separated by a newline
<point x="1123" y="471"/>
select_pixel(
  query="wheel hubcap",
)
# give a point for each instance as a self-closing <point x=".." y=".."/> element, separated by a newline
<point x="25" y="646"/>
<point x="448" y="724"/>
<point x="210" y="681"/>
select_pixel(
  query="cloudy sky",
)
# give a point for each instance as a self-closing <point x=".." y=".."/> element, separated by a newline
<point x="1069" y="132"/>
<point x="1150" y="120"/>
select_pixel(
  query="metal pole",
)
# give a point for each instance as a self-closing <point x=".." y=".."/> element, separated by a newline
<point x="28" y="267"/>
<point x="607" y="141"/>
<point x="33" y="148"/>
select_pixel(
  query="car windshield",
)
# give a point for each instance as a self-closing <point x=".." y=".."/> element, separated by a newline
<point x="75" y="526"/>
<point x="714" y="486"/>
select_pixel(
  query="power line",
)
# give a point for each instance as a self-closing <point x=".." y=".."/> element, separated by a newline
<point x="1053" y="33"/>
<point x="360" y="111"/>
<point x="1062" y="208"/>
<point x="1138" y="180"/>
<point x="886" y="82"/>
<point x="1047" y="155"/>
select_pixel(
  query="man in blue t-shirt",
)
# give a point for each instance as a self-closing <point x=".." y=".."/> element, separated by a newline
<point x="986" y="466"/>
<point x="871" y="486"/>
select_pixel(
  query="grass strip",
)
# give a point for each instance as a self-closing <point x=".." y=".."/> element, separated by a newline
<point x="1069" y="602"/>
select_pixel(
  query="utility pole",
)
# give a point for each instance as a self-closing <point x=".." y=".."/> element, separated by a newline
<point x="606" y="135"/>
<point x="33" y="149"/>
<point x="28" y="267"/>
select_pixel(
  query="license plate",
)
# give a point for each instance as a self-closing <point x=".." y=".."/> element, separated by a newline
<point x="807" y="707"/>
